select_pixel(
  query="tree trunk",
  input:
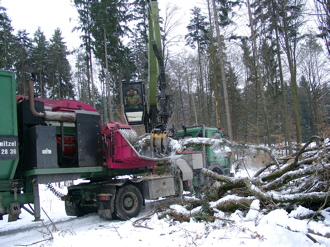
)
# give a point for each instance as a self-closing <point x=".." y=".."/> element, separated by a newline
<point x="191" y="99"/>
<point x="92" y="79"/>
<point x="214" y="74"/>
<point x="202" y="90"/>
<point x="181" y="100"/>
<point x="293" y="80"/>
<point x="223" y="72"/>
<point x="284" y="98"/>
<point x="107" y="83"/>
<point x="259" y="82"/>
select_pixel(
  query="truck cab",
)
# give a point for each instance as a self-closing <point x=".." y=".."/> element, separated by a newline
<point x="215" y="160"/>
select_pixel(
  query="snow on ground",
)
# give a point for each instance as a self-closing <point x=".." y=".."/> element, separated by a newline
<point x="277" y="228"/>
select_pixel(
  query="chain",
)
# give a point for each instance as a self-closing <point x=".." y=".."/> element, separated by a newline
<point x="54" y="191"/>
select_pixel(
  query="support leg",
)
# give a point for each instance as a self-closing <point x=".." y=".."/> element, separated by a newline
<point x="36" y="200"/>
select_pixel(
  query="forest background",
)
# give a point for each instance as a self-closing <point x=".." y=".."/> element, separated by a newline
<point x="256" y="68"/>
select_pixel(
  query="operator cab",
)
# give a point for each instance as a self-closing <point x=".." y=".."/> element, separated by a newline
<point x="134" y="102"/>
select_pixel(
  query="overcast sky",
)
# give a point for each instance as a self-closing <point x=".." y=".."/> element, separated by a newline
<point x="52" y="14"/>
<point x="47" y="14"/>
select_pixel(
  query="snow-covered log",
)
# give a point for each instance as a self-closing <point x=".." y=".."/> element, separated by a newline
<point x="292" y="175"/>
<point x="302" y="179"/>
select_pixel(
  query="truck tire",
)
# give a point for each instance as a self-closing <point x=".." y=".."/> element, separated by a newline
<point x="74" y="209"/>
<point x="128" y="202"/>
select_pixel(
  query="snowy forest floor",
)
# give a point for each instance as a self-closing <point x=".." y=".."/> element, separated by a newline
<point x="254" y="228"/>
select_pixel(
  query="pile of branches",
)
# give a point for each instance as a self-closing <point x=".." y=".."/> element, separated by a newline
<point x="299" y="179"/>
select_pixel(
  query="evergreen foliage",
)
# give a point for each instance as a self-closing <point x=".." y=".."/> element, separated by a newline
<point x="59" y="83"/>
<point x="7" y="41"/>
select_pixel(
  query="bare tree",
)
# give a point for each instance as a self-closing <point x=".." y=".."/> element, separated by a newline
<point x="314" y="69"/>
<point x="171" y="23"/>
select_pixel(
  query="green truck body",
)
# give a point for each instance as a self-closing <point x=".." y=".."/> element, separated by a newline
<point x="219" y="161"/>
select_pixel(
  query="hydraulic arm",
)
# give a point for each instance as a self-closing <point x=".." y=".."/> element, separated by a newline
<point x="160" y="109"/>
<point x="154" y="115"/>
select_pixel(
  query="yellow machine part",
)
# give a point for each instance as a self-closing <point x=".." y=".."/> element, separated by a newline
<point x="159" y="143"/>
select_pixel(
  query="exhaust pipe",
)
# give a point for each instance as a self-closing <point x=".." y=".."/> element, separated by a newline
<point x="31" y="101"/>
<point x="49" y="115"/>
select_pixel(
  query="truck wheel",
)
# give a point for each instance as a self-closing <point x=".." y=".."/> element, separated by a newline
<point x="128" y="202"/>
<point x="73" y="209"/>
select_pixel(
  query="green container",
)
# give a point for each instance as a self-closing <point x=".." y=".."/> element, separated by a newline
<point x="8" y="126"/>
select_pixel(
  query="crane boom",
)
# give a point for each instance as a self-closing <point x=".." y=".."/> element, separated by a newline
<point x="159" y="108"/>
<point x="154" y="115"/>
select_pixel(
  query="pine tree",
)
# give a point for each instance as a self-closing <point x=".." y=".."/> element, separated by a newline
<point x="7" y="41"/>
<point x="81" y="75"/>
<point x="221" y="13"/>
<point x="139" y="41"/>
<point x="213" y="77"/>
<point x="85" y="26"/>
<point x="267" y="22"/>
<point x="60" y="85"/>
<point x="198" y="37"/>
<point x="40" y="59"/>
<point x="23" y="63"/>
<point x="103" y="24"/>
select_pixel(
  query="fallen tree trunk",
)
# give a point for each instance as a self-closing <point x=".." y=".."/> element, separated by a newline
<point x="286" y="182"/>
<point x="303" y="180"/>
<point x="290" y="176"/>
